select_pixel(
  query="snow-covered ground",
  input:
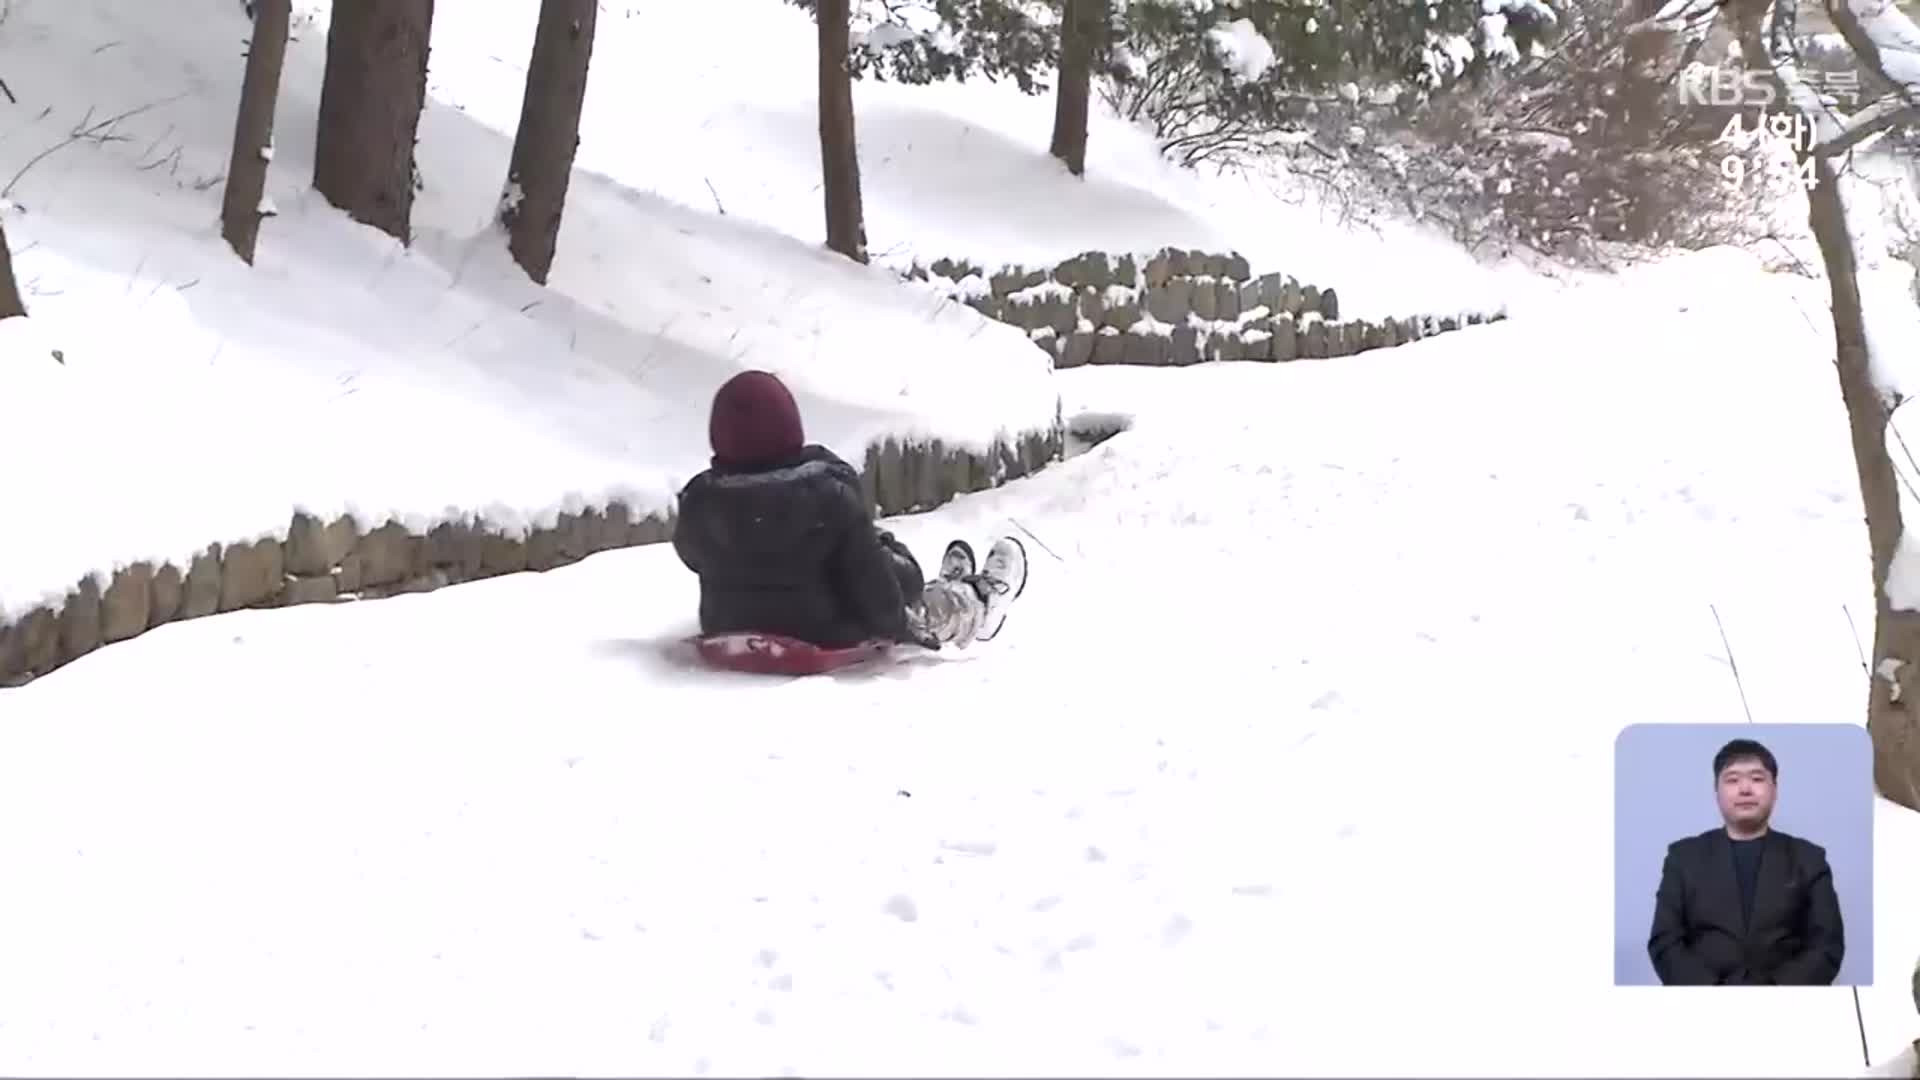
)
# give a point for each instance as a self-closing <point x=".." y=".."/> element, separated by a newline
<point x="320" y="360"/>
<point x="945" y="170"/>
<point x="194" y="400"/>
<point x="1903" y="1066"/>
<point x="1296" y="759"/>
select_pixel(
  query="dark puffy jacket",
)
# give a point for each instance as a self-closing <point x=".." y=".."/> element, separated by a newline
<point x="790" y="549"/>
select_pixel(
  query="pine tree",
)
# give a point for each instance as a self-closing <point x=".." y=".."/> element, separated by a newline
<point x="1204" y="74"/>
<point x="924" y="41"/>
<point x="10" y="303"/>
<point x="1083" y="30"/>
<point x="244" y="202"/>
<point x="839" y="148"/>
<point x="548" y="133"/>
<point x="370" y="100"/>
<point x="1212" y="77"/>
<point x="1878" y="36"/>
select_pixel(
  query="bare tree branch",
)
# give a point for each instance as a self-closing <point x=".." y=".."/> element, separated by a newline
<point x="1884" y="39"/>
<point x="1891" y="722"/>
<point x="1885" y="113"/>
<point x="1678" y="15"/>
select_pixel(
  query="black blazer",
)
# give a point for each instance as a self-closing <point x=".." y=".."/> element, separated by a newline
<point x="1700" y="937"/>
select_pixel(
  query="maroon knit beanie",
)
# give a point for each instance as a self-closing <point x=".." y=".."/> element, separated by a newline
<point x="755" y="422"/>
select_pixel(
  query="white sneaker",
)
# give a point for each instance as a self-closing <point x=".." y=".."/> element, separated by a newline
<point x="1000" y="582"/>
<point x="958" y="562"/>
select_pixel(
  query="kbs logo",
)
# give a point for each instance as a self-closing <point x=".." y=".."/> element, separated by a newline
<point x="1718" y="86"/>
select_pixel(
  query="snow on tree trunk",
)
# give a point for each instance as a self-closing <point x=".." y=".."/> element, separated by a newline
<point x="1867" y="385"/>
<point x="10" y="305"/>
<point x="1635" y="108"/>
<point x="370" y="101"/>
<point x="1895" y="688"/>
<point x="1079" y="24"/>
<point x="839" y="150"/>
<point x="1885" y="40"/>
<point x="244" y="204"/>
<point x="1916" y="995"/>
<point x="548" y="134"/>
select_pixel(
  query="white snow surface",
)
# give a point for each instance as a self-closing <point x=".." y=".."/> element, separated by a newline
<point x="937" y="162"/>
<point x="511" y="828"/>
<point x="1301" y="639"/>
<point x="1903" y="1066"/>
<point x="197" y="400"/>
<point x="1897" y="41"/>
<point x="1495" y="38"/>
<point x="1892" y="320"/>
<point x="1242" y="49"/>
<point x="1879" y="204"/>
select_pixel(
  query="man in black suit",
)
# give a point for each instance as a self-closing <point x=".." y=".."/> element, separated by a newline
<point x="1746" y="905"/>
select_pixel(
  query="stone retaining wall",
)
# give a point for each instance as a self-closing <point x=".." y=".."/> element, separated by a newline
<point x="1174" y="307"/>
<point x="319" y="562"/>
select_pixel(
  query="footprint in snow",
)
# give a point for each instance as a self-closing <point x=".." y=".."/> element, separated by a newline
<point x="1176" y="930"/>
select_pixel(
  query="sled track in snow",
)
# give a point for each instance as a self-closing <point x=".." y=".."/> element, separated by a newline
<point x="316" y="562"/>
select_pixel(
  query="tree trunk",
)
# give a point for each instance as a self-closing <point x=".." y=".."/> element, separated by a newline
<point x="1643" y="84"/>
<point x="1080" y="23"/>
<point x="370" y="102"/>
<point x="10" y="305"/>
<point x="839" y="150"/>
<point x="549" y="133"/>
<point x="244" y="205"/>
<point x="1896" y="634"/>
<point x="1916" y="995"/>
<point x="1894" y="680"/>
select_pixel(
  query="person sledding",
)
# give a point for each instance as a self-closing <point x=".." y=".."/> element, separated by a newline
<point x="784" y="543"/>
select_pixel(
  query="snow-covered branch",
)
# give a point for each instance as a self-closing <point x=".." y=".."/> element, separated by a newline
<point x="1865" y="124"/>
<point x="1829" y="126"/>
<point x="1677" y="15"/>
<point x="1885" y="41"/>
<point x="1833" y="132"/>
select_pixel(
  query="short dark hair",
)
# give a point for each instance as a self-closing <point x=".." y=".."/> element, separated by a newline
<point x="1744" y="750"/>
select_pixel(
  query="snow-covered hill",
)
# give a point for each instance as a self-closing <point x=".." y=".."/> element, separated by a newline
<point x="164" y="396"/>
<point x="1295" y="759"/>
<point x="725" y="120"/>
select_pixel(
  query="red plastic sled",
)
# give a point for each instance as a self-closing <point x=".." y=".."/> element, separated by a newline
<point x="777" y="654"/>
